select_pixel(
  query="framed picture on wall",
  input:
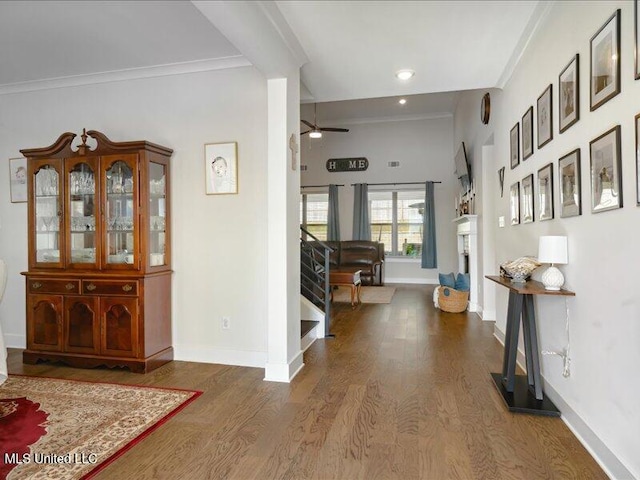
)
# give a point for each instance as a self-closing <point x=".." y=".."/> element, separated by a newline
<point x="605" y="62"/>
<point x="18" y="179"/>
<point x="636" y="16"/>
<point x="527" y="134"/>
<point x="545" y="117"/>
<point x="569" y="93"/>
<point x="545" y="192"/>
<point x="501" y="180"/>
<point x="638" y="159"/>
<point x="221" y="168"/>
<point x="606" y="171"/>
<point x="514" y="147"/>
<point x="527" y="199"/>
<point x="514" y="203"/>
<point x="570" y="184"/>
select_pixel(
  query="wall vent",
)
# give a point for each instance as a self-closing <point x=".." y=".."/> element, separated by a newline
<point x="394" y="164"/>
<point x="303" y="168"/>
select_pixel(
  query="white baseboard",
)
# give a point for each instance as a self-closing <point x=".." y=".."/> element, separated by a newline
<point x="418" y="281"/>
<point x="240" y="358"/>
<point x="612" y="466"/>
<point x="488" y="315"/>
<point x="309" y="338"/>
<point x="283" y="372"/>
<point x="11" y="340"/>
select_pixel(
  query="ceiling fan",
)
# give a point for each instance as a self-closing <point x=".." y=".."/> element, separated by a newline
<point x="316" y="131"/>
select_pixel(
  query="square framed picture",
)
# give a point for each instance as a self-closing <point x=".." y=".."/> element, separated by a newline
<point x="514" y="203"/>
<point x="605" y="62"/>
<point x="514" y="147"/>
<point x="569" y="93"/>
<point x="221" y="168"/>
<point x="545" y="117"/>
<point x="638" y="159"/>
<point x="545" y="192"/>
<point x="606" y="171"/>
<point x="527" y="134"/>
<point x="527" y="199"/>
<point x="18" y="179"/>
<point x="570" y="185"/>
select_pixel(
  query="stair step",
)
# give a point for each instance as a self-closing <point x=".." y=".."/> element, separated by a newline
<point x="306" y="326"/>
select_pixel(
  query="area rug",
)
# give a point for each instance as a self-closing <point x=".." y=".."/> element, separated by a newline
<point x="368" y="294"/>
<point x="67" y="429"/>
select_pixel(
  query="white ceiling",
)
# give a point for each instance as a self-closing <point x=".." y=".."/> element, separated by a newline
<point x="353" y="47"/>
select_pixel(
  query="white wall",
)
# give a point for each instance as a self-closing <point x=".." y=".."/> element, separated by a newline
<point x="424" y="150"/>
<point x="600" y="398"/>
<point x="219" y="247"/>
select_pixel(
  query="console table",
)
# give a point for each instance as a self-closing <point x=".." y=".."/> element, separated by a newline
<point x="523" y="393"/>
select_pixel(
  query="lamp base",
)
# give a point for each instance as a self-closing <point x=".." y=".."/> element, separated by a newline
<point x="552" y="279"/>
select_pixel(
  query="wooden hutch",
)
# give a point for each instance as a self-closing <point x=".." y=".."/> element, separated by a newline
<point x="99" y="279"/>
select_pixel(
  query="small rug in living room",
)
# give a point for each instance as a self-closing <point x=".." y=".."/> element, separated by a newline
<point x="368" y="294"/>
<point x="67" y="429"/>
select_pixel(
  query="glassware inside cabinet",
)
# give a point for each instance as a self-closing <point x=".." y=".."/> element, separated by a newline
<point x="157" y="214"/>
<point x="48" y="212"/>
<point x="82" y="192"/>
<point x="120" y="214"/>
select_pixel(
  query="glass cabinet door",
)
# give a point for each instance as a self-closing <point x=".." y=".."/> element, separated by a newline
<point x="120" y="212"/>
<point x="48" y="215"/>
<point x="81" y="189"/>
<point x="157" y="214"/>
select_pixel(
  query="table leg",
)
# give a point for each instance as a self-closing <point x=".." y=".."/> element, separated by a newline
<point x="358" y="292"/>
<point x="530" y="319"/>
<point x="528" y="349"/>
<point x="513" y="317"/>
<point x="353" y="295"/>
<point x="507" y="336"/>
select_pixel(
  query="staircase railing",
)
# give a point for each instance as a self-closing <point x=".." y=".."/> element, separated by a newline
<point x="314" y="274"/>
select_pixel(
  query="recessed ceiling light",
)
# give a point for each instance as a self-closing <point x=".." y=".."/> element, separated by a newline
<point x="402" y="101"/>
<point x="405" y="74"/>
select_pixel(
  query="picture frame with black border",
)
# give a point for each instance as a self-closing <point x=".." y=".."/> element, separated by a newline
<point x="604" y="75"/>
<point x="569" y="94"/>
<point x="544" y="116"/>
<point x="570" y="184"/>
<point x="514" y="203"/>
<point x="606" y="171"/>
<point x="514" y="146"/>
<point x="527" y="210"/>
<point x="545" y="193"/>
<point x="527" y="134"/>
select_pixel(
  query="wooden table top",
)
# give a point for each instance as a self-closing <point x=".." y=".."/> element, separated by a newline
<point x="530" y="287"/>
<point x="344" y="277"/>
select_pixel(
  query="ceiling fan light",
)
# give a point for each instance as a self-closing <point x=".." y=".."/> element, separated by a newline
<point x="315" y="134"/>
<point x="402" y="101"/>
<point x="405" y="74"/>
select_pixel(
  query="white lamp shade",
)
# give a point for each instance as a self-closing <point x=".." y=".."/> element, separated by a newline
<point x="553" y="249"/>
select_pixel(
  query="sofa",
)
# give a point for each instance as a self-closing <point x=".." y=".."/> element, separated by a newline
<point x="363" y="255"/>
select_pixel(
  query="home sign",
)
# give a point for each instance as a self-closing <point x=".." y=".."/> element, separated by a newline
<point x="359" y="164"/>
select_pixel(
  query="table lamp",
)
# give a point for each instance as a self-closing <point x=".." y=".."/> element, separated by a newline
<point x="553" y="250"/>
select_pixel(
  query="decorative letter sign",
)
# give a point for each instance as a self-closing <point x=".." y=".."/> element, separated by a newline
<point x="359" y="164"/>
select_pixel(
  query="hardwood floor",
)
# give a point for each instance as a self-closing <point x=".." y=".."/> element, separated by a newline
<point x="403" y="391"/>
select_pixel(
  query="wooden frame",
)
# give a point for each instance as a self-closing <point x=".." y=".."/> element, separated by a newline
<point x="605" y="62"/>
<point x="514" y="203"/>
<point x="18" y="179"/>
<point x="527" y="134"/>
<point x="544" y="116"/>
<point x="606" y="171"/>
<point x="527" y="209"/>
<point x="545" y="192"/>
<point x="569" y="94"/>
<point x="570" y="184"/>
<point x="221" y="168"/>
<point x="514" y="146"/>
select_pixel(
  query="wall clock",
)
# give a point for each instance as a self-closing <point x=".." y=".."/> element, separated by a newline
<point x="485" y="108"/>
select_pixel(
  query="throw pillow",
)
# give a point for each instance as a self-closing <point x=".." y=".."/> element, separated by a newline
<point x="463" y="282"/>
<point x="447" y="280"/>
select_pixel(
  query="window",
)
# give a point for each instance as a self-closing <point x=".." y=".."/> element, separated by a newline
<point x="396" y="221"/>
<point x="314" y="209"/>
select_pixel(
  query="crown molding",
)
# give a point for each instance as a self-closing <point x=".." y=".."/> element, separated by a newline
<point x="127" y="74"/>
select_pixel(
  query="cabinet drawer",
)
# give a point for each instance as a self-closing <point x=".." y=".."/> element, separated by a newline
<point x="40" y="285"/>
<point x="110" y="287"/>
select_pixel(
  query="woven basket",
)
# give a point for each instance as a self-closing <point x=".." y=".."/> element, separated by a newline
<point x="451" y="300"/>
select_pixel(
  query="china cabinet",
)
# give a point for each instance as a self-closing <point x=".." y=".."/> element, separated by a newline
<point x="99" y="280"/>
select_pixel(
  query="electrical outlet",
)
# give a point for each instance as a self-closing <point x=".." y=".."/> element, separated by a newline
<point x="501" y="221"/>
<point x="226" y="323"/>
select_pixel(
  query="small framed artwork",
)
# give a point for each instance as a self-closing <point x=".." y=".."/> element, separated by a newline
<point x="527" y="199"/>
<point x="638" y="159"/>
<point x="605" y="62"/>
<point x="514" y="203"/>
<point x="636" y="15"/>
<point x="527" y="134"/>
<point x="501" y="180"/>
<point x="570" y="185"/>
<point x="221" y="168"/>
<point x="545" y="118"/>
<point x="606" y="171"/>
<point x="514" y="147"/>
<point x="18" y="179"/>
<point x="569" y="92"/>
<point x="545" y="192"/>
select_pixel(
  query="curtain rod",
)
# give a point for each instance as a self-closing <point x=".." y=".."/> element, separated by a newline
<point x="398" y="183"/>
<point x="317" y="186"/>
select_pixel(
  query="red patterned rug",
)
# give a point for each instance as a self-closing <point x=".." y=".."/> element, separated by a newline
<point x="67" y="429"/>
